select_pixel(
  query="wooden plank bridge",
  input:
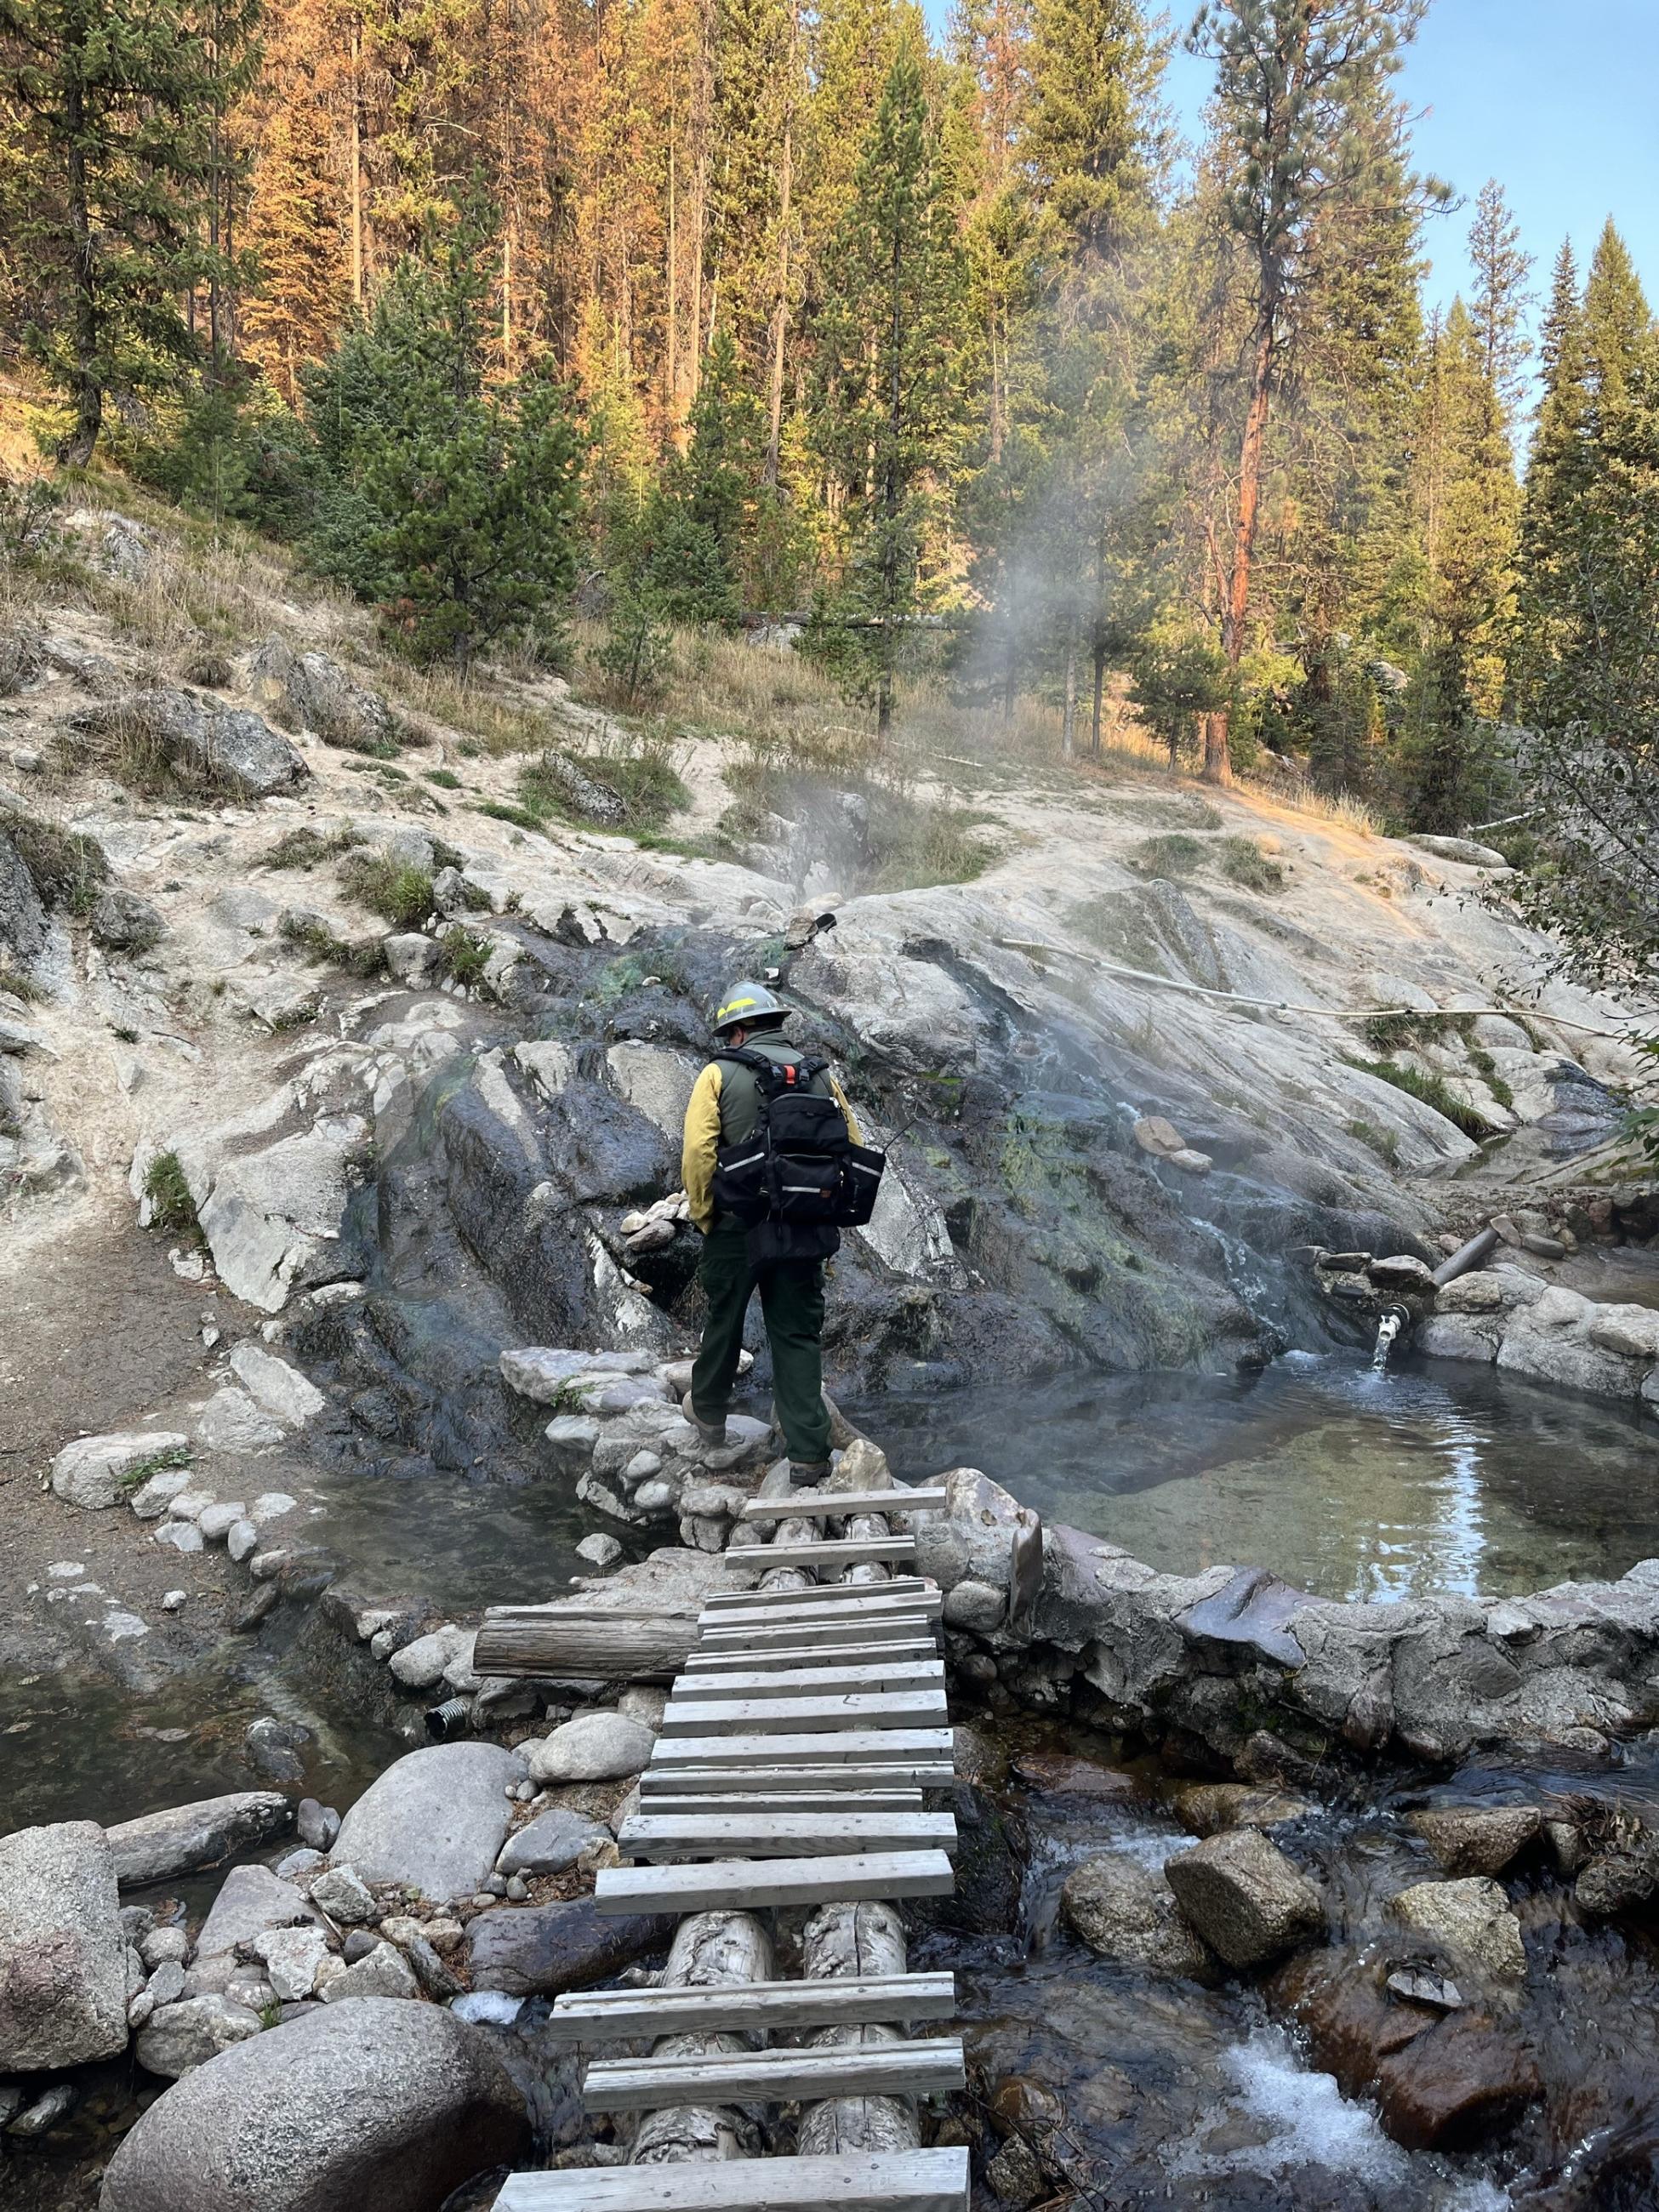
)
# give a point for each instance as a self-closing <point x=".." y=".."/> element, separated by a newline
<point x="805" y="1723"/>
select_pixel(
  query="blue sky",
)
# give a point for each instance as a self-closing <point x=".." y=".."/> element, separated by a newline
<point x="1558" y="99"/>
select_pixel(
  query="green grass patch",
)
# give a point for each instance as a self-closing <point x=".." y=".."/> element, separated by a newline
<point x="1244" y="861"/>
<point x="309" y="934"/>
<point x="161" y="1462"/>
<point x="1487" y="1067"/>
<point x="398" y="891"/>
<point x="68" y="870"/>
<point x="445" y="778"/>
<point x="463" y="957"/>
<point x="173" y="1210"/>
<point x="1174" y="853"/>
<point x="1384" y="1142"/>
<point x="19" y="987"/>
<point x="1432" y="1089"/>
<point x="928" y="845"/>
<point x="639" y="777"/>
<point x="306" y="848"/>
<point x="519" y="817"/>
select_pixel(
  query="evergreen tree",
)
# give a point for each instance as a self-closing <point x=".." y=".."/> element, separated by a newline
<point x="1294" y="78"/>
<point x="121" y="105"/>
<point x="293" y="232"/>
<point x="452" y="504"/>
<point x="1498" y="306"/>
<point x="887" y="403"/>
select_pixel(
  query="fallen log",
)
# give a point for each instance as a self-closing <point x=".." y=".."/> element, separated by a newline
<point x="710" y="1949"/>
<point x="853" y="1941"/>
<point x="586" y="1642"/>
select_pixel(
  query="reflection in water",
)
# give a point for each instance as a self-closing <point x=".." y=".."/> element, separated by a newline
<point x="1430" y="1478"/>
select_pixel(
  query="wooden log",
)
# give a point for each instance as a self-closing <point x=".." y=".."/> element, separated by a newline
<point x="848" y="1940"/>
<point x="781" y="1778"/>
<point x="829" y="1505"/>
<point x="826" y="1552"/>
<point x="747" y="1885"/>
<point x="709" y="1949"/>
<point x="918" y="2181"/>
<point x="780" y="2075"/>
<point x="773" y="1832"/>
<point x="608" y="2016"/>
<point x="590" y="1642"/>
<point x="791" y="1715"/>
<point x="822" y="1747"/>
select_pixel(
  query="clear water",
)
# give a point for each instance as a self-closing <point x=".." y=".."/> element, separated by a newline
<point x="1433" y="1477"/>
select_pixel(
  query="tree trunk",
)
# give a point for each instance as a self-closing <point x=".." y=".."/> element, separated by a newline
<point x="585" y="1642"/>
<point x="709" y="1948"/>
<point x="74" y="449"/>
<point x="1068" y="713"/>
<point x="1099" y="697"/>
<point x="781" y="305"/>
<point x="356" y="163"/>
<point x="1218" y="761"/>
<point x="842" y="1943"/>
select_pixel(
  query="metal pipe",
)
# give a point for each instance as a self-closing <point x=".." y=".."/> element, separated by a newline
<point x="449" y="1718"/>
<point x="1467" y="1256"/>
<point x="1388" y="1329"/>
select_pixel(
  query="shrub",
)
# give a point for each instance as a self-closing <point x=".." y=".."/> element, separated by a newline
<point x="1244" y="861"/>
<point x="1432" y="1090"/>
<point x="1175" y="855"/>
<point x="19" y="987"/>
<point x="173" y="1210"/>
<point x="464" y="957"/>
<point x="397" y="891"/>
<point x="304" y="848"/>
<point x="67" y="869"/>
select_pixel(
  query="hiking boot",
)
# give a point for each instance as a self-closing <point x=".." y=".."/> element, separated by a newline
<point x="807" y="1473"/>
<point x="712" y="1433"/>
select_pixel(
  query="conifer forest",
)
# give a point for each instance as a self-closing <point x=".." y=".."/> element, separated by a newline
<point x="684" y="312"/>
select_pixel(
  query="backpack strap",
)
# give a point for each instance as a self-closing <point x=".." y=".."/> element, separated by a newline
<point x="774" y="1076"/>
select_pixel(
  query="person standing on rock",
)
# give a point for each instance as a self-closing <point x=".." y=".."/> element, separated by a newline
<point x="770" y="1151"/>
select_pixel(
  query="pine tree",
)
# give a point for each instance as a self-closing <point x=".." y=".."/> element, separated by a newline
<point x="887" y="401"/>
<point x="1294" y="76"/>
<point x="294" y="231"/>
<point x="1498" y="306"/>
<point x="122" y="105"/>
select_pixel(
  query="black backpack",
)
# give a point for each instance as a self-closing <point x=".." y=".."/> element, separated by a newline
<point x="800" y="1179"/>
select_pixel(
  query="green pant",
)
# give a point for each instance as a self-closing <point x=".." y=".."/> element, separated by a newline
<point x="792" y="1302"/>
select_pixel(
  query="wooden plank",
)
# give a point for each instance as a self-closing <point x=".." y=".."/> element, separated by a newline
<point x="917" y="1587"/>
<point x="812" y="1681"/>
<point x="757" y="1631"/>
<point x="702" y="1665"/>
<point x="766" y="1781"/>
<point x="852" y="2181"/>
<point x="836" y="1504"/>
<point x="794" y="1801"/>
<point x="776" y="1833"/>
<point x="871" y="1709"/>
<point x="733" y="1885"/>
<point x="930" y="2065"/>
<point x="824" y="1552"/>
<point x="599" y="2015"/>
<point x="805" y="1613"/>
<point x="819" y="1747"/>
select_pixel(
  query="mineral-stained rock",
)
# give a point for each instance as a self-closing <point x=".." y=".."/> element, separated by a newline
<point x="1455" y="2085"/>
<point x="62" y="1949"/>
<point x="1617" y="1881"/>
<point x="370" y="2104"/>
<point x="1245" y="1898"/>
<point x="540" y="1949"/>
<point x="1125" y="1911"/>
<point x="1469" y="1920"/>
<point x="1476" y="1839"/>
<point x="158" y="1846"/>
<point x="1208" y="1808"/>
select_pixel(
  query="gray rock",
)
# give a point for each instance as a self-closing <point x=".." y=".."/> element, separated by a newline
<point x="430" y="1972"/>
<point x="231" y="1422"/>
<point x="418" y="1665"/>
<point x="157" y="1945"/>
<point x="123" y="922"/>
<point x="216" y="1521"/>
<point x="349" y="2106"/>
<point x="62" y="1949"/>
<point x="51" y="2105"/>
<point x="540" y="1949"/>
<point x="1417" y="1986"/>
<point x="1206" y="1809"/>
<point x="292" y="1957"/>
<point x="1462" y="849"/>
<point x="152" y="1499"/>
<point x="412" y="959"/>
<point x="1245" y="1898"/>
<point x="593" y="1747"/>
<point x="975" y="1606"/>
<point x="251" y="1900"/>
<point x="181" y="1536"/>
<point x="93" y="1471"/>
<point x="344" y="1896"/>
<point x="383" y="1972"/>
<point x="177" y="2038"/>
<point x="310" y="691"/>
<point x="226" y="748"/>
<point x="23" y="924"/>
<point x="306" y="1860"/>
<point x="166" y="1984"/>
<point x="551" y="1843"/>
<point x="278" y="1389"/>
<point x="273" y="1746"/>
<point x="600" y="1550"/>
<point x="1469" y="1920"/>
<point x="318" y="1824"/>
<point x="158" y="1846"/>
<point x="435" y="1820"/>
<point x="1125" y="1911"/>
